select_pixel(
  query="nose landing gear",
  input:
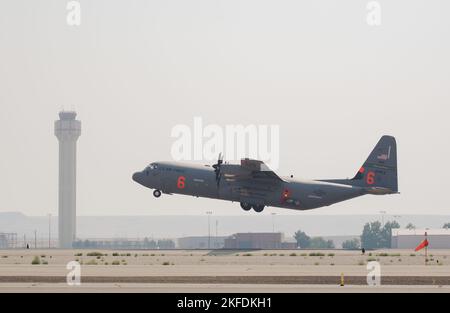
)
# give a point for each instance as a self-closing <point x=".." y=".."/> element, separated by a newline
<point x="157" y="193"/>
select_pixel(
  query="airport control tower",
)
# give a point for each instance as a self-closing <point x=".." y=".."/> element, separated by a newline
<point x="67" y="130"/>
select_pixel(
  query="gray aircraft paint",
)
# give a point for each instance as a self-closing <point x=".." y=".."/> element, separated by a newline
<point x="253" y="184"/>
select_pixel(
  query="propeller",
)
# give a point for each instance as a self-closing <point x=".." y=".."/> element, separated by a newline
<point x="217" y="168"/>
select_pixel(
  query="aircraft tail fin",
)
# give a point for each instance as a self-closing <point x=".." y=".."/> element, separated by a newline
<point x="379" y="172"/>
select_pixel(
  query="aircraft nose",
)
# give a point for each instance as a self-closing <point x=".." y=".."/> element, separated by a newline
<point x="137" y="177"/>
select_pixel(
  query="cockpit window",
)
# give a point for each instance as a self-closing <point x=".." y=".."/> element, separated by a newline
<point x="153" y="166"/>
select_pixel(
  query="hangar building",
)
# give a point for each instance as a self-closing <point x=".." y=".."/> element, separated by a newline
<point x="409" y="238"/>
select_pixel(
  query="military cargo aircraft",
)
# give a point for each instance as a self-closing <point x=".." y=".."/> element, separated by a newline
<point x="254" y="185"/>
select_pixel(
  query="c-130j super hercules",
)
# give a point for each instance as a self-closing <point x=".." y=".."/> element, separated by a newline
<point x="255" y="186"/>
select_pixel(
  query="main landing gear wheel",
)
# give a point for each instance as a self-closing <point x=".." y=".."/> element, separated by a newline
<point x="246" y="206"/>
<point x="258" y="208"/>
<point x="157" y="193"/>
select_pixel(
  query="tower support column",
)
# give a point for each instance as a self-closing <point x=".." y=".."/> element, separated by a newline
<point x="67" y="130"/>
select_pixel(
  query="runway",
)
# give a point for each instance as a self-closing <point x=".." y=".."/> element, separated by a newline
<point x="213" y="288"/>
<point x="240" y="280"/>
<point x="223" y="271"/>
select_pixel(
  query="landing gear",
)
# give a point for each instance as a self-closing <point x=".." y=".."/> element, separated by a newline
<point x="258" y="208"/>
<point x="157" y="193"/>
<point x="246" y="206"/>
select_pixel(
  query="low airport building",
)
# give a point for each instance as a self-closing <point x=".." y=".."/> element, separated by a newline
<point x="409" y="238"/>
<point x="8" y="240"/>
<point x="201" y="242"/>
<point x="124" y="243"/>
<point x="259" y="241"/>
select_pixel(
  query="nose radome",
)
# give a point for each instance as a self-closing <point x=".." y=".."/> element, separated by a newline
<point x="136" y="177"/>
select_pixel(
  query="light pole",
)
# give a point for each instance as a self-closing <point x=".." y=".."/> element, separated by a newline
<point x="209" y="228"/>
<point x="49" y="229"/>
<point x="35" y="239"/>
<point x="397" y="217"/>
<point x="273" y="221"/>
<point x="217" y="233"/>
<point x="382" y="217"/>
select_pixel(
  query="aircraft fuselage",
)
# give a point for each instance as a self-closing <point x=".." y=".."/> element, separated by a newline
<point x="255" y="185"/>
<point x="200" y="181"/>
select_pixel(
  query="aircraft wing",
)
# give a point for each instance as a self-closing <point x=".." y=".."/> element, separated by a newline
<point x="250" y="169"/>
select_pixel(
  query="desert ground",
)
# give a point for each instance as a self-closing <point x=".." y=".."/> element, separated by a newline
<point x="223" y="270"/>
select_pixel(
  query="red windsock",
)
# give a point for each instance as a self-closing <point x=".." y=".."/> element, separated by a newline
<point x="422" y="245"/>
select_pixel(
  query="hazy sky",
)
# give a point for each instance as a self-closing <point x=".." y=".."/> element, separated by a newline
<point x="135" y="69"/>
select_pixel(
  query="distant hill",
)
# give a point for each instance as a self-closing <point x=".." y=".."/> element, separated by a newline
<point x="181" y="226"/>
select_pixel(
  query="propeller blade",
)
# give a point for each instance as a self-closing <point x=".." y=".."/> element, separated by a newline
<point x="217" y="168"/>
